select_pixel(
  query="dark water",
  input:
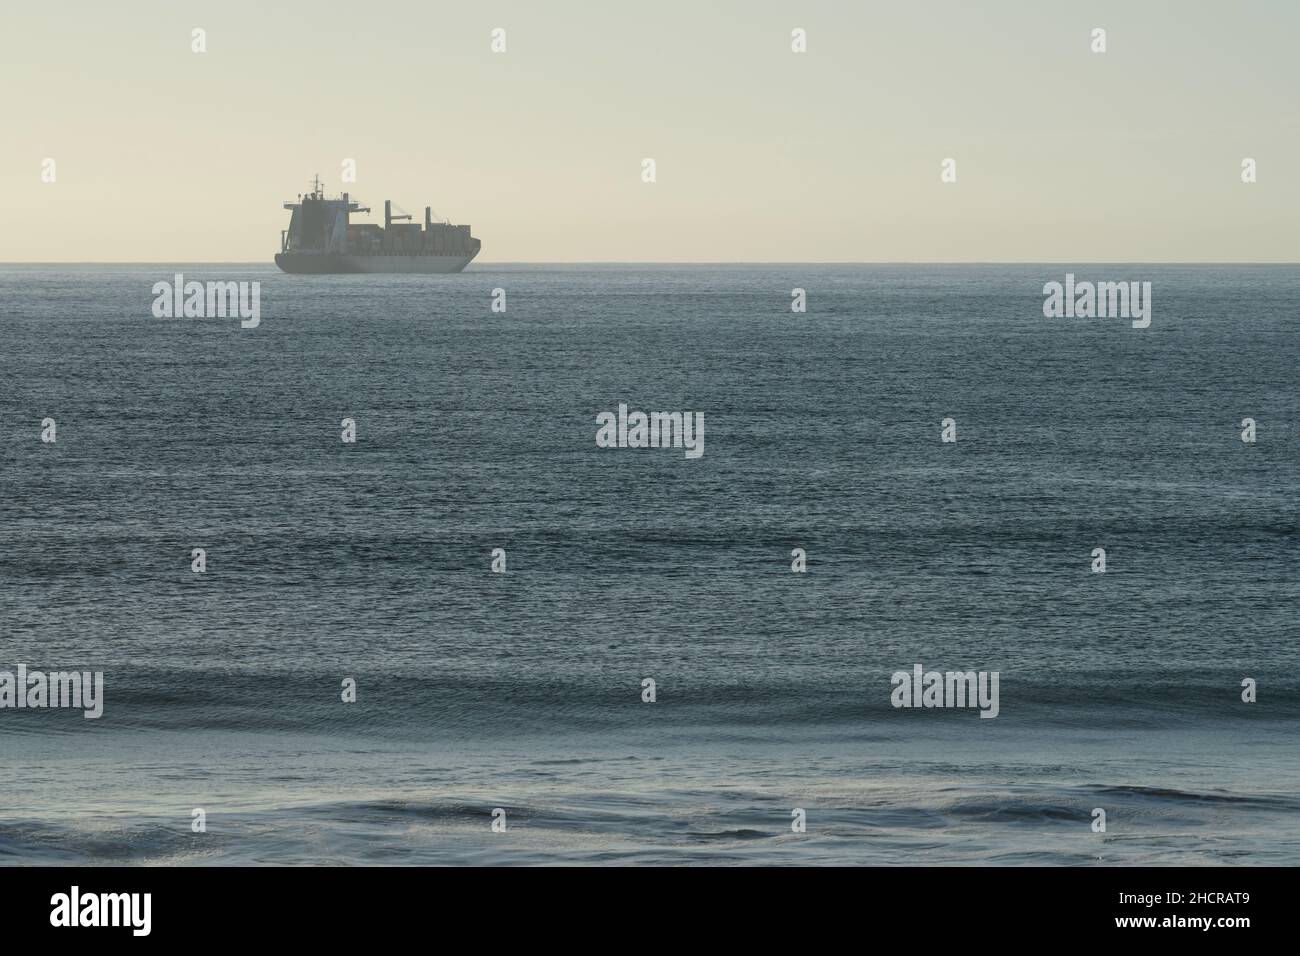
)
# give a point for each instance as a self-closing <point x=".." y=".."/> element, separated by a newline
<point x="476" y="430"/>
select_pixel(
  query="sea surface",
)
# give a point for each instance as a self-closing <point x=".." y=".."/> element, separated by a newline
<point x="522" y="690"/>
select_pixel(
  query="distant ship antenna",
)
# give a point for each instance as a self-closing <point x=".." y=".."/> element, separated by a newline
<point x="316" y="187"/>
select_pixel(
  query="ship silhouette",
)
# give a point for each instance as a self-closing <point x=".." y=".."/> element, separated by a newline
<point x="321" y="239"/>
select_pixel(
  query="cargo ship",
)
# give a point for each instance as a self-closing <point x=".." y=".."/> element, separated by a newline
<point x="321" y="239"/>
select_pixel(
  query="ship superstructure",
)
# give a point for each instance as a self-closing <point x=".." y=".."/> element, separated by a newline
<point x="322" y="239"/>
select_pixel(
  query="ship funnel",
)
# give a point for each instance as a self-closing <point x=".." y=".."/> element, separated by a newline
<point x="428" y="219"/>
<point x="388" y="213"/>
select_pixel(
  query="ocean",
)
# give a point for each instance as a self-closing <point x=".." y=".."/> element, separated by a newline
<point x="522" y="691"/>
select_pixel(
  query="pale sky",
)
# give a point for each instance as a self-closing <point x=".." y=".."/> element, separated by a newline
<point x="762" y="154"/>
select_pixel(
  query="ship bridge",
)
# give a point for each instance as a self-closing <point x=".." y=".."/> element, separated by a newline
<point x="317" y="223"/>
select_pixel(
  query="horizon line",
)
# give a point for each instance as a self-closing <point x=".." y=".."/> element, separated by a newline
<point x="720" y="262"/>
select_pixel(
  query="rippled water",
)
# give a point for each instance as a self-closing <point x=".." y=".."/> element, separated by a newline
<point x="523" y="690"/>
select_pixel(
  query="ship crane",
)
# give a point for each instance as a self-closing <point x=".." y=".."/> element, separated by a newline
<point x="389" y="217"/>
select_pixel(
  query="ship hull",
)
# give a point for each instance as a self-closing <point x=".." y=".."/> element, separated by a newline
<point x="331" y="263"/>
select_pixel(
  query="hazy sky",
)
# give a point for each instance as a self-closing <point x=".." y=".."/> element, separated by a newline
<point x="762" y="154"/>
